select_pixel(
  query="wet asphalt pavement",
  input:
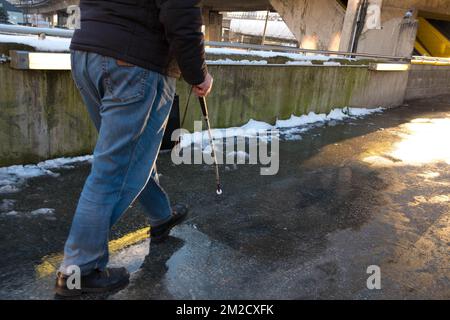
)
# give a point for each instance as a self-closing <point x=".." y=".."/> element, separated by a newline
<point x="348" y="195"/>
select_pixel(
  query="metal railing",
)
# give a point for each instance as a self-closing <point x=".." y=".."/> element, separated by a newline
<point x="27" y="3"/>
<point x="14" y="29"/>
<point x="23" y="30"/>
<point x="304" y="51"/>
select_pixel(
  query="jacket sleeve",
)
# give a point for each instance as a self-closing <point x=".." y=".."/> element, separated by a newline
<point x="182" y="21"/>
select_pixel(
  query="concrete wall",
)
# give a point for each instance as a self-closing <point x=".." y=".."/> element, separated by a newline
<point x="270" y="92"/>
<point x="42" y="115"/>
<point x="395" y="38"/>
<point x="428" y="81"/>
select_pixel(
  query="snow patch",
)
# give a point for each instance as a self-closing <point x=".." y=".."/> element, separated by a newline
<point x="11" y="213"/>
<point x="11" y="178"/>
<point x="251" y="129"/>
<point x="7" y="205"/>
<point x="335" y="114"/>
<point x="8" y="189"/>
<point x="239" y="155"/>
<point x="255" y="126"/>
<point x="239" y="62"/>
<point x="290" y="129"/>
<point x="332" y="64"/>
<point x="43" y="211"/>
<point x="269" y="54"/>
<point x="299" y="63"/>
<point x="47" y="213"/>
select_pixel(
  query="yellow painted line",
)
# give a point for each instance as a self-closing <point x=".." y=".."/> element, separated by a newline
<point x="51" y="263"/>
<point x="128" y="240"/>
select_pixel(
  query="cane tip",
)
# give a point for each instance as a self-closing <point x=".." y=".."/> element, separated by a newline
<point x="219" y="191"/>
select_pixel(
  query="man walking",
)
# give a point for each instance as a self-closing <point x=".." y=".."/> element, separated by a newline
<point x="125" y="61"/>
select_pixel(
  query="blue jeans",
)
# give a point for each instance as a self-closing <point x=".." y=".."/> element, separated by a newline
<point x="129" y="106"/>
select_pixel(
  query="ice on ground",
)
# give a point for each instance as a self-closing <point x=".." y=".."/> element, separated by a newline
<point x="49" y="44"/>
<point x="131" y="257"/>
<point x="11" y="178"/>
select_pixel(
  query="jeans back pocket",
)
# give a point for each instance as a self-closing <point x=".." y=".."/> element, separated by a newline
<point x="123" y="82"/>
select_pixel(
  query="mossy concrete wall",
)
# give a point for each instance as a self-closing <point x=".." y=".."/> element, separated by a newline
<point x="42" y="115"/>
<point x="268" y="93"/>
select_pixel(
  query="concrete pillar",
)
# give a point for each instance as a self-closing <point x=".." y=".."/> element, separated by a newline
<point x="396" y="36"/>
<point x="316" y="24"/>
<point x="213" y="25"/>
<point x="349" y="25"/>
<point x="54" y="19"/>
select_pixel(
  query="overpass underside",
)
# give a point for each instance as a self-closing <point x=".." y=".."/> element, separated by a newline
<point x="215" y="5"/>
<point x="362" y="26"/>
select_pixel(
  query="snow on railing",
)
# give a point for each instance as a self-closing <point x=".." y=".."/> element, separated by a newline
<point x="64" y="33"/>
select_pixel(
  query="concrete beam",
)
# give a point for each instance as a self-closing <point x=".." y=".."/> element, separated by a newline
<point x="237" y="5"/>
<point x="439" y="7"/>
<point x="316" y="24"/>
<point x="436" y="7"/>
<point x="52" y="6"/>
<point x="214" y="5"/>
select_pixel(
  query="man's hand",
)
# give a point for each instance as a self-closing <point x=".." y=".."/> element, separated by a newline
<point x="203" y="89"/>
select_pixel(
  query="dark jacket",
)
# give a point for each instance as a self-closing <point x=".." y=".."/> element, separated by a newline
<point x="160" y="35"/>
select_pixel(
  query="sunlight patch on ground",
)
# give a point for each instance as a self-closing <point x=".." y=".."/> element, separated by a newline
<point x="430" y="175"/>
<point x="427" y="142"/>
<point x="423" y="141"/>
<point x="439" y="199"/>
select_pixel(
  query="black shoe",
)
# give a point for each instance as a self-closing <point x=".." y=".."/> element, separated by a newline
<point x="160" y="233"/>
<point x="97" y="281"/>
